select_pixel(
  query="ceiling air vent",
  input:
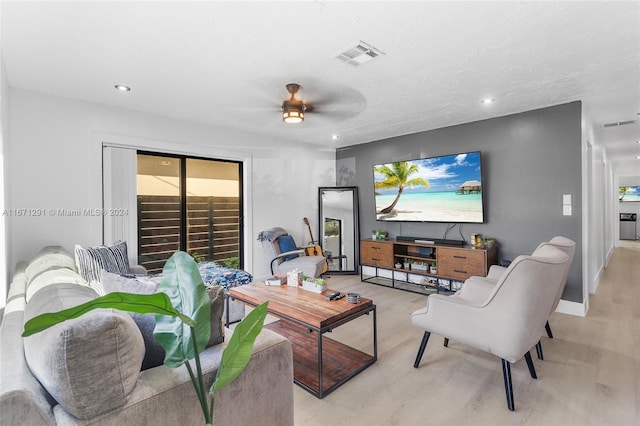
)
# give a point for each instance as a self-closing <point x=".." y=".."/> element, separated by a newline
<point x="618" y="123"/>
<point x="359" y="53"/>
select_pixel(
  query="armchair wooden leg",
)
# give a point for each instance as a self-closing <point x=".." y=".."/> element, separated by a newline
<point x="446" y="342"/>
<point x="508" y="387"/>
<point x="539" y="351"/>
<point x="423" y="345"/>
<point x="548" y="328"/>
<point x="532" y="369"/>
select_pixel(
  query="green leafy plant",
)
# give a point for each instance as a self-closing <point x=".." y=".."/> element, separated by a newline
<point x="316" y="281"/>
<point x="198" y="258"/>
<point x="231" y="262"/>
<point x="182" y="309"/>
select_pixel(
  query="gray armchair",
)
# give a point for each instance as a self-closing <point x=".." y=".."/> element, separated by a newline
<point x="284" y="255"/>
<point x="505" y="322"/>
<point x="481" y="285"/>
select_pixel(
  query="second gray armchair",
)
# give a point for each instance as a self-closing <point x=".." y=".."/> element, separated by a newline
<point x="505" y="322"/>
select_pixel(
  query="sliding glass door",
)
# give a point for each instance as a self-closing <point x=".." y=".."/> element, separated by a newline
<point x="189" y="204"/>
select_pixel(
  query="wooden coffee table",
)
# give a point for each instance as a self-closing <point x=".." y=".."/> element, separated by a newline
<point x="321" y="364"/>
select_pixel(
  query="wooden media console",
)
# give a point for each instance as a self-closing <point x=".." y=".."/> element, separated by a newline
<point x="407" y="265"/>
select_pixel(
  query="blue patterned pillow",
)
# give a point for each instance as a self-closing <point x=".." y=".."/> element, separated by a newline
<point x="286" y="244"/>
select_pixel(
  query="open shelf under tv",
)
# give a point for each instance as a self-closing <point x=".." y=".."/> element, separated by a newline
<point x="406" y="265"/>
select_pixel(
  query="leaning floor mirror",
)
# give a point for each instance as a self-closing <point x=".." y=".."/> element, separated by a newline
<point x="339" y="232"/>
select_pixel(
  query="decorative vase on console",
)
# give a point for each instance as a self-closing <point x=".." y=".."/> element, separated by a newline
<point x="489" y="242"/>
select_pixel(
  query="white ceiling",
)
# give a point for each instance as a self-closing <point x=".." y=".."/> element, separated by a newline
<point x="227" y="63"/>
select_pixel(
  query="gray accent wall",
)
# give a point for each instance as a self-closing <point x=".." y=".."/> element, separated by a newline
<point x="529" y="160"/>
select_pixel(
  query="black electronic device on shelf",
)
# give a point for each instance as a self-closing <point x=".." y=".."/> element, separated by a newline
<point x="426" y="240"/>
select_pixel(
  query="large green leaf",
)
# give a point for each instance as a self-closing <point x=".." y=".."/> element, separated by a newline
<point x="158" y="303"/>
<point x="238" y="352"/>
<point x="182" y="282"/>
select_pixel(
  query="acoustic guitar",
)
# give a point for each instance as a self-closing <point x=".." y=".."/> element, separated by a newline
<point x="315" y="249"/>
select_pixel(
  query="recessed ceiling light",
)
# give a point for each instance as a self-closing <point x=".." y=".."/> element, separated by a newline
<point x="487" y="101"/>
<point x="122" y="88"/>
<point x="335" y="137"/>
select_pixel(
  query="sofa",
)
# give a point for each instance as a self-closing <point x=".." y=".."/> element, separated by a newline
<point x="86" y="371"/>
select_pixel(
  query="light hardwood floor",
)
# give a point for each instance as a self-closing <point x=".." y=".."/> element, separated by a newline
<point x="590" y="374"/>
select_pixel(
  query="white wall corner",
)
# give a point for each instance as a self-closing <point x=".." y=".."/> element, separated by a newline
<point x="572" y="308"/>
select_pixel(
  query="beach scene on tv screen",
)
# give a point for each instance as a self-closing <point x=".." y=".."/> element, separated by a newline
<point x="438" y="189"/>
<point x="629" y="193"/>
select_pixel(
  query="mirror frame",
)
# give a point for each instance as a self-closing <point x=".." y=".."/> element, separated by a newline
<point x="356" y="226"/>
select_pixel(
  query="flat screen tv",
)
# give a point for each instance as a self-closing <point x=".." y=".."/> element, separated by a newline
<point x="436" y="189"/>
<point x="629" y="193"/>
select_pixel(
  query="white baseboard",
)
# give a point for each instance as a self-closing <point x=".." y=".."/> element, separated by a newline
<point x="571" y="308"/>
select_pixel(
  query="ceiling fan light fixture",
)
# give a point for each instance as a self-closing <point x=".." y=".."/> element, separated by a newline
<point x="293" y="109"/>
<point x="292" y="112"/>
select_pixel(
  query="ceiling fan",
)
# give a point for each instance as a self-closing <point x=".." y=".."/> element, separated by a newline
<point x="327" y="102"/>
<point x="331" y="101"/>
<point x="293" y="109"/>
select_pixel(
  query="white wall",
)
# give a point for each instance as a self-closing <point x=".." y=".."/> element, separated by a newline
<point x="53" y="165"/>
<point x="611" y="214"/>
<point x="594" y="250"/>
<point x="4" y="132"/>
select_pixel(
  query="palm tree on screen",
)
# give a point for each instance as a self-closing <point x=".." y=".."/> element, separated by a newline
<point x="622" y="191"/>
<point x="397" y="176"/>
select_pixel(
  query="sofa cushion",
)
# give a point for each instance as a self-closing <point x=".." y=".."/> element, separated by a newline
<point x="52" y="277"/>
<point x="50" y="257"/>
<point x="90" y="364"/>
<point x="92" y="260"/>
<point x="154" y="353"/>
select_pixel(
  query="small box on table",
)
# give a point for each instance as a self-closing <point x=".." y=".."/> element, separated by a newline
<point x="276" y="280"/>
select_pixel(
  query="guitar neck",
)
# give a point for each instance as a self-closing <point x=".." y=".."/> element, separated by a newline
<point x="306" y="221"/>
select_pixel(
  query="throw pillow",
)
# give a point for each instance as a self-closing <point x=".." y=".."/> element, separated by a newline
<point x="89" y="364"/>
<point x="286" y="244"/>
<point x="216" y="295"/>
<point x="154" y="353"/>
<point x="92" y="260"/>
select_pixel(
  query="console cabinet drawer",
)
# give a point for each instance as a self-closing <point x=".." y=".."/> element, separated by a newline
<point x="461" y="263"/>
<point x="376" y="253"/>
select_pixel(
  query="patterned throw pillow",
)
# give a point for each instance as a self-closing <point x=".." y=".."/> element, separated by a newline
<point x="92" y="260"/>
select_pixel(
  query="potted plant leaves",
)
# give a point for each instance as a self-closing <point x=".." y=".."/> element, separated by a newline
<point x="489" y="242"/>
<point x="316" y="285"/>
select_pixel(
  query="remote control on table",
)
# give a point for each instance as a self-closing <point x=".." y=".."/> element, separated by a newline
<point x="332" y="296"/>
